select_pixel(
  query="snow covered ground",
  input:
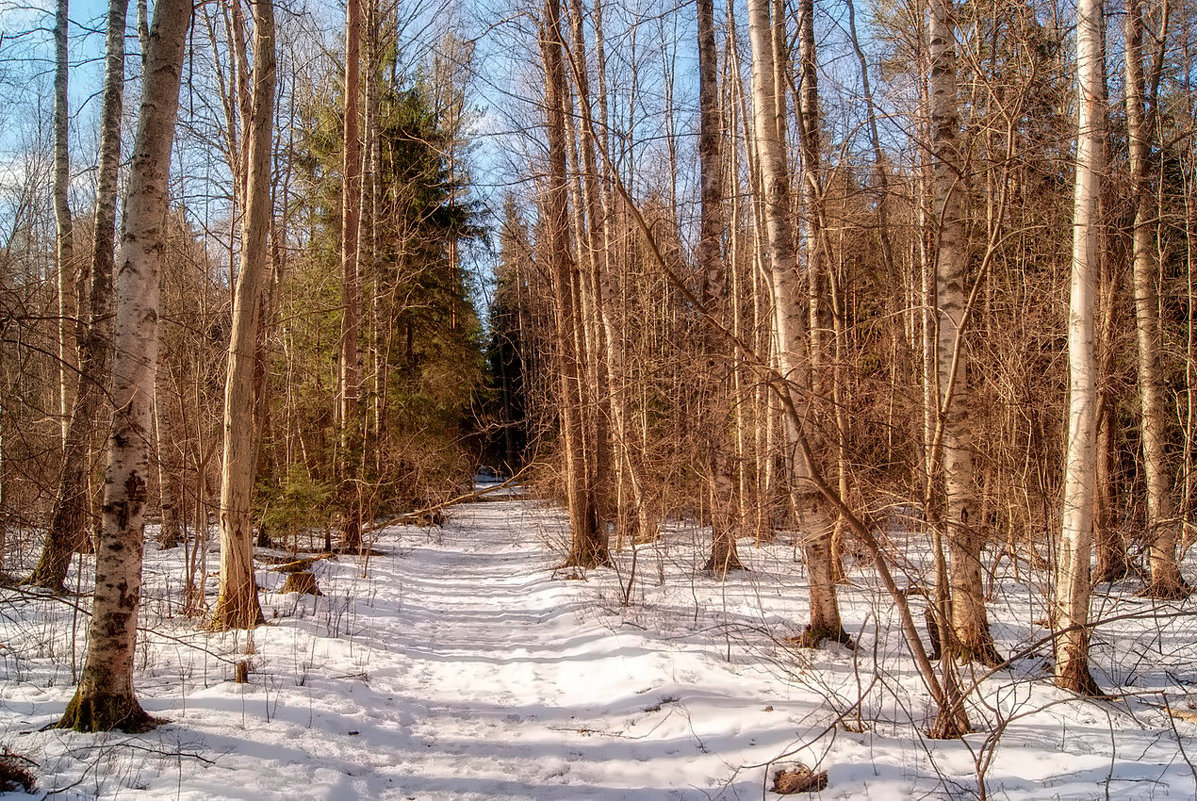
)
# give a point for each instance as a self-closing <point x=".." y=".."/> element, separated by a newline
<point x="460" y="665"/>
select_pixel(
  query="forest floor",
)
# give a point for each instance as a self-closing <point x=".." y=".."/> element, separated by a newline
<point x="460" y="664"/>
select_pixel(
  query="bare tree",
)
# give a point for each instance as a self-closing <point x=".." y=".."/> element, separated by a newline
<point x="68" y="307"/>
<point x="813" y="519"/>
<point x="951" y="446"/>
<point x="1162" y="524"/>
<point x="351" y="301"/>
<point x="237" y="605"/>
<point x="1071" y="616"/>
<point x="104" y="698"/>
<point x="725" y="521"/>
<point x="588" y="541"/>
<point x="69" y="516"/>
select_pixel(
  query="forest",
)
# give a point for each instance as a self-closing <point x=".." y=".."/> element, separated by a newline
<point x="849" y="344"/>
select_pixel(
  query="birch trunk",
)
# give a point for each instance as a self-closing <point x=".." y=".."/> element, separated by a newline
<point x="69" y="333"/>
<point x="104" y="698"/>
<point x="812" y="196"/>
<point x="814" y="521"/>
<point x="69" y="517"/>
<point x="1162" y="524"/>
<point x="970" y="638"/>
<point x="1071" y="616"/>
<point x="237" y="604"/>
<point x="725" y="518"/>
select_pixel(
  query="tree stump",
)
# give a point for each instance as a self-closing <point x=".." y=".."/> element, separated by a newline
<point x="303" y="581"/>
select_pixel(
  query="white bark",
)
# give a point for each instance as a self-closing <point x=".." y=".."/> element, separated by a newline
<point x="968" y="622"/>
<point x="104" y="698"/>
<point x="67" y="521"/>
<point x="1080" y="477"/>
<point x="68" y="339"/>
<point x="789" y="313"/>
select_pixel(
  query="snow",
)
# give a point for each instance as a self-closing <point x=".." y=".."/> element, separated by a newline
<point x="460" y="664"/>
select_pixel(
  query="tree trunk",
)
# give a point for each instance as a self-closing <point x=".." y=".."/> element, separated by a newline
<point x="68" y="520"/>
<point x="69" y="329"/>
<point x="588" y="542"/>
<point x="813" y="519"/>
<point x="351" y="368"/>
<point x="170" y="531"/>
<point x="594" y="245"/>
<point x="1162" y="524"/>
<point x="1071" y="616"/>
<point x="970" y="639"/>
<point x="237" y="604"/>
<point x="1112" y="563"/>
<point x="726" y="525"/>
<point x="812" y="196"/>
<point x="104" y="698"/>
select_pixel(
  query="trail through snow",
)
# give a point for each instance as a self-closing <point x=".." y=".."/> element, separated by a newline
<point x="462" y="665"/>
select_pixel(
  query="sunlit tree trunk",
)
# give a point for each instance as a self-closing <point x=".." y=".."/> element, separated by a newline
<point x="1112" y="563"/>
<point x="969" y="626"/>
<point x="69" y="332"/>
<point x="1071" y="610"/>
<point x="725" y="518"/>
<point x="814" y="522"/>
<point x="237" y="604"/>
<point x="104" y="698"/>
<point x="588" y="542"/>
<point x="1162" y="525"/>
<point x="812" y="196"/>
<point x="594" y="244"/>
<point x="68" y="519"/>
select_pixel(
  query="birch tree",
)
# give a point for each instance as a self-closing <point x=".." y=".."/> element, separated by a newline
<point x="725" y="522"/>
<point x="68" y="518"/>
<point x="951" y="446"/>
<point x="1071" y="616"/>
<point x="588" y="541"/>
<point x="104" y="698"/>
<point x="68" y="307"/>
<point x="814" y="521"/>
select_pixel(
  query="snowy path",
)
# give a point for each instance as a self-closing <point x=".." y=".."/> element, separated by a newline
<point x="462" y="666"/>
<point x="517" y="689"/>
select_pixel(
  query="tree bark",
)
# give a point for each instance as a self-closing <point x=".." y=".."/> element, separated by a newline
<point x="68" y="519"/>
<point x="170" y="530"/>
<point x="237" y="603"/>
<point x="588" y="541"/>
<point x="1162" y="523"/>
<point x="970" y="638"/>
<point x="351" y="368"/>
<point x="813" y="519"/>
<point x="69" y="329"/>
<point x="603" y="414"/>
<point x="1071" y="616"/>
<point x="726" y="525"/>
<point x="812" y="196"/>
<point x="104" y="698"/>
